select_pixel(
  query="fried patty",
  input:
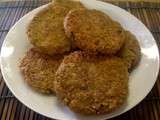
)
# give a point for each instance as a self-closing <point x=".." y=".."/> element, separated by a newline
<point x="46" y="30"/>
<point x="69" y="4"/>
<point x="130" y="52"/>
<point x="91" y="85"/>
<point x="92" y="30"/>
<point x="39" y="70"/>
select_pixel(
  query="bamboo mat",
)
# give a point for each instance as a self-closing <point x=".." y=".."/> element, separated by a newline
<point x="151" y="1"/>
<point x="12" y="109"/>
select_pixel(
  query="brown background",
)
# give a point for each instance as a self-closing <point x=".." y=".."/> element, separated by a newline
<point x="138" y="0"/>
<point x="107" y="0"/>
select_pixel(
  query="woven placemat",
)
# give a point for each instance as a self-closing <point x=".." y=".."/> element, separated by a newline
<point x="12" y="109"/>
<point x="157" y="1"/>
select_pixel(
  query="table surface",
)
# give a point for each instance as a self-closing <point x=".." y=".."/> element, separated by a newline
<point x="108" y="0"/>
<point x="12" y="109"/>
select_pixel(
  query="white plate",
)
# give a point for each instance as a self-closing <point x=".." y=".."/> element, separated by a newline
<point x="141" y="80"/>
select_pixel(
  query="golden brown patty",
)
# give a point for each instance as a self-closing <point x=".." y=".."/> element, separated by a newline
<point x="91" y="85"/>
<point x="46" y="30"/>
<point x="69" y="4"/>
<point x="39" y="70"/>
<point x="92" y="30"/>
<point x="130" y="52"/>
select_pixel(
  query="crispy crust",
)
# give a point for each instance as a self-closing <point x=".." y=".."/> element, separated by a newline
<point x="69" y="4"/>
<point x="39" y="70"/>
<point x="46" y="30"/>
<point x="131" y="51"/>
<point x="94" y="31"/>
<point x="91" y="86"/>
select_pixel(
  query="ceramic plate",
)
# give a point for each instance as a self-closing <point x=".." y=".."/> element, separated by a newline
<point x="142" y="79"/>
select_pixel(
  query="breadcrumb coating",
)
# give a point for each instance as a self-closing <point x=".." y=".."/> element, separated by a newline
<point x="94" y="31"/>
<point x="46" y="31"/>
<point x="39" y="70"/>
<point x="91" y="86"/>
<point x="130" y="51"/>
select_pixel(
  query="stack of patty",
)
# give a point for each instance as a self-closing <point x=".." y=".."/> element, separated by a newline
<point x="81" y="55"/>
